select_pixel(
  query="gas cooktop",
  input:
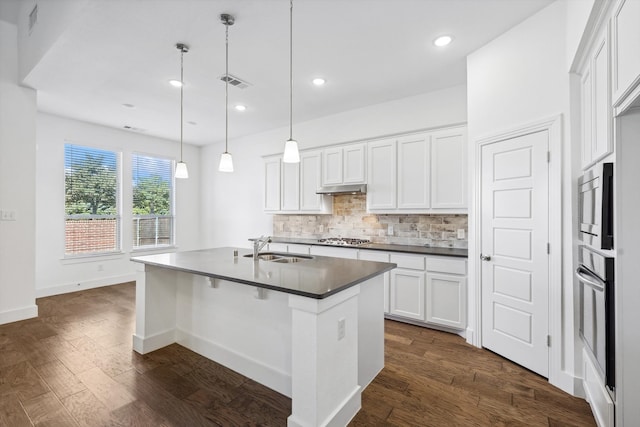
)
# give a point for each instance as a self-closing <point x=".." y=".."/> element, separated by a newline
<point x="343" y="241"/>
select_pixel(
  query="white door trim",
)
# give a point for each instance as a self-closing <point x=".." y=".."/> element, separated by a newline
<point x="553" y="125"/>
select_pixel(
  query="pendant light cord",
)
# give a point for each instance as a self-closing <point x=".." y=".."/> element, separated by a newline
<point x="226" y="92"/>
<point x="291" y="70"/>
<point x="181" y="96"/>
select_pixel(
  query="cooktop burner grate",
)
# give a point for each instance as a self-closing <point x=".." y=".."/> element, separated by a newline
<point x="343" y="241"/>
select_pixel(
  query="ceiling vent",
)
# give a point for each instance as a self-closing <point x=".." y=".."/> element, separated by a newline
<point x="235" y="81"/>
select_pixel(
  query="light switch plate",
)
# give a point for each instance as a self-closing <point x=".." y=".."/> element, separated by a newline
<point x="7" y="215"/>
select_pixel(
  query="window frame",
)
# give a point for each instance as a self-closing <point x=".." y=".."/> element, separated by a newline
<point x="172" y="205"/>
<point x="118" y="250"/>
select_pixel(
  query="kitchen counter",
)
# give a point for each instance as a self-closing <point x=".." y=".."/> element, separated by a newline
<point x="312" y="330"/>
<point x="421" y="250"/>
<point x="318" y="277"/>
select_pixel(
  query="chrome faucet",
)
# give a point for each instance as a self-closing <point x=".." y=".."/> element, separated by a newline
<point x="258" y="244"/>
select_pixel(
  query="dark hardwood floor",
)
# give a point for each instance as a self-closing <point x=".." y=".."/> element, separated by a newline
<point x="73" y="365"/>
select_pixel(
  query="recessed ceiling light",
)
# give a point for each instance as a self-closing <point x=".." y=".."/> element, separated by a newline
<point x="175" y="83"/>
<point x="240" y="107"/>
<point x="319" y="81"/>
<point x="442" y="41"/>
<point x="128" y="106"/>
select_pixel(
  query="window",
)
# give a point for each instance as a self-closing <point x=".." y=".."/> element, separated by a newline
<point x="92" y="220"/>
<point x="152" y="201"/>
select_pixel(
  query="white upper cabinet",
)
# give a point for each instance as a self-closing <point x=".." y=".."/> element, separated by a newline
<point x="290" y="186"/>
<point x="344" y="165"/>
<point x="414" y="180"/>
<point x="597" y="139"/>
<point x="310" y="181"/>
<point x="419" y="173"/>
<point x="626" y="50"/>
<point x="449" y="169"/>
<point x="272" y="184"/>
<point x="381" y="182"/>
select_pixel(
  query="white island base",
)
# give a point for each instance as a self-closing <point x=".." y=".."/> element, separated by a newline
<point x="320" y="352"/>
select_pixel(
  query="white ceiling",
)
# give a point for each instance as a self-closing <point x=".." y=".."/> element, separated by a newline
<point x="369" y="51"/>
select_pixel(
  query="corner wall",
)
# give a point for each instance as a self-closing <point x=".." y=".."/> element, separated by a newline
<point x="17" y="185"/>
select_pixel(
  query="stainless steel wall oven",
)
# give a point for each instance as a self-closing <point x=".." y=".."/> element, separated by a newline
<point x="595" y="274"/>
<point x="595" y="206"/>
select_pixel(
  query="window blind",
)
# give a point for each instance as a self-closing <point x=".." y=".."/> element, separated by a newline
<point x="92" y="220"/>
<point x="152" y="201"/>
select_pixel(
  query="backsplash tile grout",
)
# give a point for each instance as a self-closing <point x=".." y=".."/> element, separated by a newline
<point x="350" y="219"/>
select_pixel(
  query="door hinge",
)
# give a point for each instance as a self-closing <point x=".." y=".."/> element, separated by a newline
<point x="548" y="248"/>
<point x="548" y="340"/>
<point x="548" y="156"/>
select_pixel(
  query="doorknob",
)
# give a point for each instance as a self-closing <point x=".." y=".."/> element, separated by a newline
<point x="485" y="257"/>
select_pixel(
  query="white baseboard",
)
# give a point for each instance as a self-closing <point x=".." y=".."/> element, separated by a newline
<point x="264" y="374"/>
<point x="17" y="314"/>
<point x="154" y="342"/>
<point x="81" y="286"/>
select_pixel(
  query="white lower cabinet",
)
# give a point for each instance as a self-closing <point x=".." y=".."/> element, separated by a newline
<point x="334" y="252"/>
<point x="446" y="300"/>
<point x="378" y="256"/>
<point x="407" y="293"/>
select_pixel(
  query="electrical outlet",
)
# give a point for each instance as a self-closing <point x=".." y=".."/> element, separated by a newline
<point x="390" y="230"/>
<point x="460" y="233"/>
<point x="341" y="328"/>
<point x="6" y="215"/>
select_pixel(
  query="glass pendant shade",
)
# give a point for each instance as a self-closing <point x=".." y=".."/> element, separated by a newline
<point x="181" y="170"/>
<point x="226" y="162"/>
<point x="291" y="153"/>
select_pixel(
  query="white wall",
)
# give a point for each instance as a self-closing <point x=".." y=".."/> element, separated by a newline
<point x="56" y="275"/>
<point x="519" y="78"/>
<point x="232" y="203"/>
<point x="17" y="185"/>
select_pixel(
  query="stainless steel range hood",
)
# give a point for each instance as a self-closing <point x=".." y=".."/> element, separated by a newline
<point x="343" y="189"/>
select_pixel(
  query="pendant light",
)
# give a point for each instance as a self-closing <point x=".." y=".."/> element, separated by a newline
<point x="291" y="153"/>
<point x="181" y="167"/>
<point x="226" y="161"/>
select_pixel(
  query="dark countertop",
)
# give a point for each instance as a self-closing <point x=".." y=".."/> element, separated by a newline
<point x="318" y="277"/>
<point x="421" y="250"/>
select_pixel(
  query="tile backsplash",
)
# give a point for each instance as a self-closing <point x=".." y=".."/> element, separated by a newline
<point x="350" y="219"/>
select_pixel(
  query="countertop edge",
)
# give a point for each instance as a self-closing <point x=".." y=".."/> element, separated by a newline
<point x="390" y="267"/>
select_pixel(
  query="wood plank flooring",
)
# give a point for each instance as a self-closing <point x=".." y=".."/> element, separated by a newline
<point x="73" y="366"/>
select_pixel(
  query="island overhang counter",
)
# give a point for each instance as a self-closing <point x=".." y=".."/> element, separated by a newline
<point x="312" y="330"/>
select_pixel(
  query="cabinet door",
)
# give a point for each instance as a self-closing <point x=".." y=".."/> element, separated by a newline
<point x="290" y="186"/>
<point x="278" y="247"/>
<point x="378" y="256"/>
<point x="601" y="104"/>
<point x="332" y="166"/>
<point x="414" y="168"/>
<point x="353" y="164"/>
<point x="310" y="181"/>
<point x="406" y="291"/>
<point x="272" y="184"/>
<point x="626" y="55"/>
<point x="381" y="186"/>
<point x="446" y="300"/>
<point x="449" y="169"/>
<point x="296" y="248"/>
<point x="586" y="113"/>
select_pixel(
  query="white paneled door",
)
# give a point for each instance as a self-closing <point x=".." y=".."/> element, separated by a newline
<point x="515" y="262"/>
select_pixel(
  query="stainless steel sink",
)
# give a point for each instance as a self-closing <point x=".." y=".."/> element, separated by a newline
<point x="278" y="257"/>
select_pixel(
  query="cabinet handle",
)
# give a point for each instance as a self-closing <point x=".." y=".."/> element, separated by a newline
<point x="485" y="257"/>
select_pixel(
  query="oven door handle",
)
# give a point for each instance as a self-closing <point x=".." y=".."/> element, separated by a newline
<point x="589" y="279"/>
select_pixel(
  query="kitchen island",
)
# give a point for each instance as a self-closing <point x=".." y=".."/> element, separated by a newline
<point x="312" y="329"/>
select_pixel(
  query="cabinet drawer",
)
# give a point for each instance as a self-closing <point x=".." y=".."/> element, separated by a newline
<point x="411" y="262"/>
<point x="299" y="249"/>
<point x="373" y="256"/>
<point x="447" y="265"/>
